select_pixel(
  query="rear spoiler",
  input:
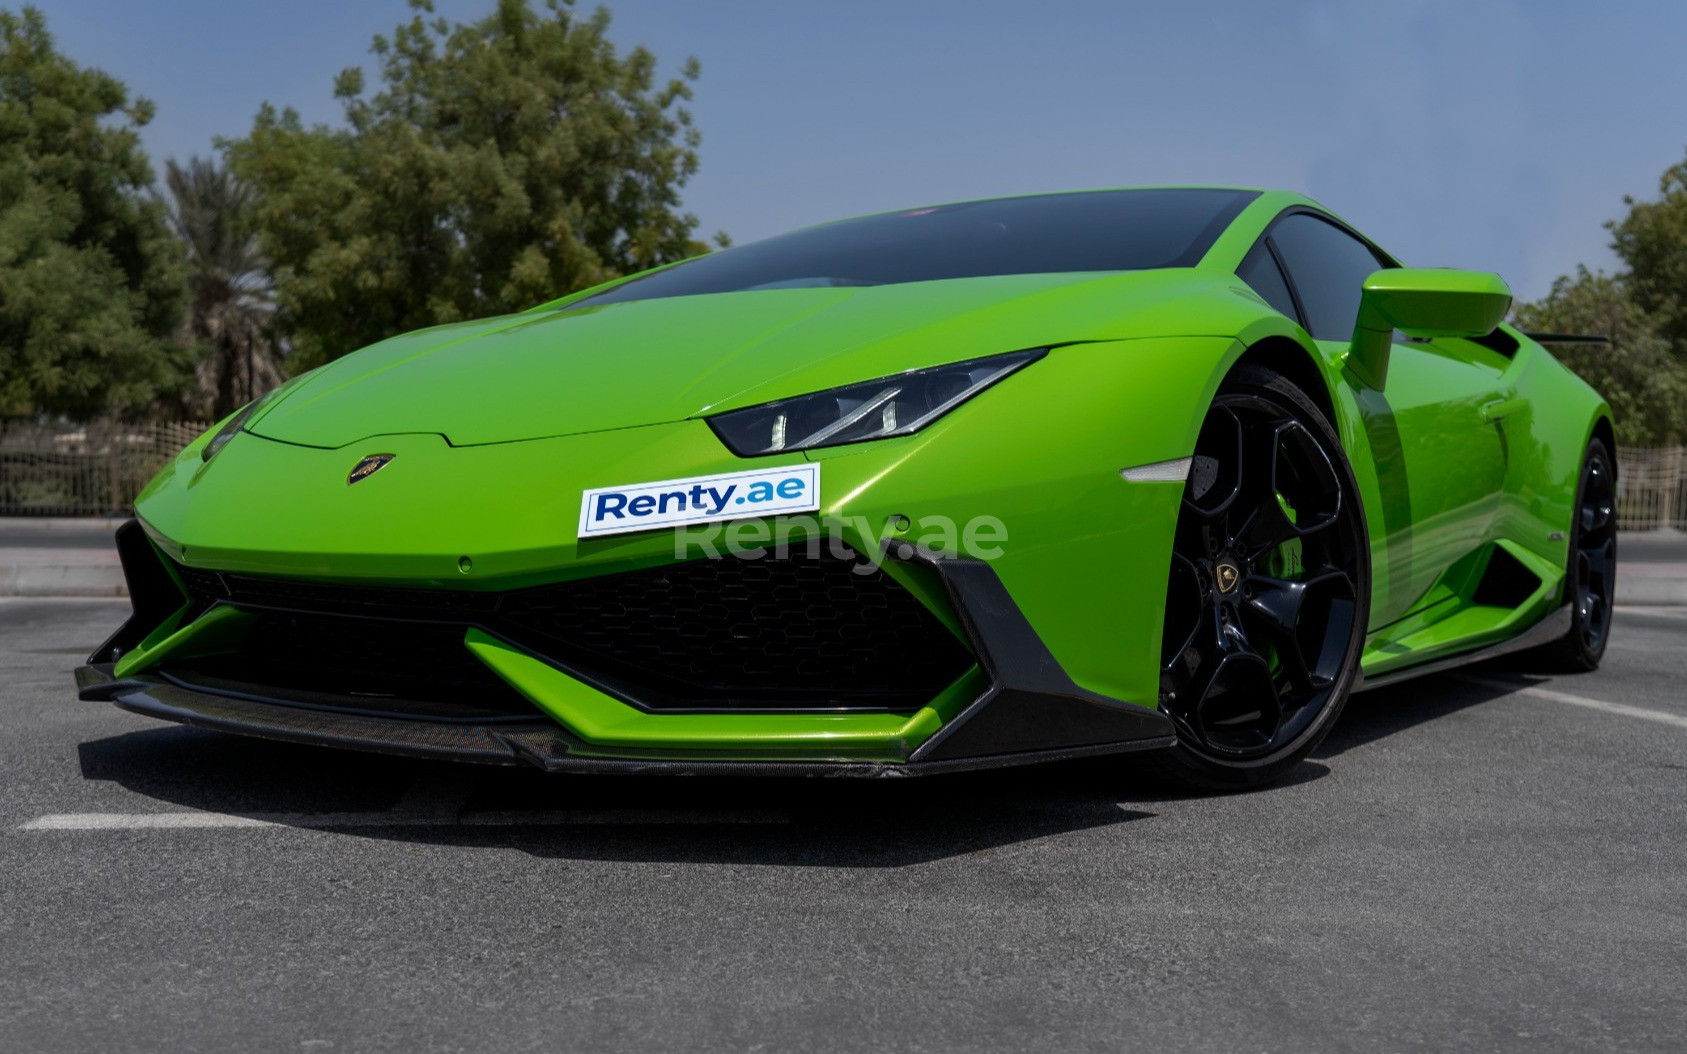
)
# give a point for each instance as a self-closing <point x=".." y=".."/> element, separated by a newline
<point x="1569" y="338"/>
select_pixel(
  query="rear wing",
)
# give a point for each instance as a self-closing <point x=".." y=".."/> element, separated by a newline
<point x="1579" y="339"/>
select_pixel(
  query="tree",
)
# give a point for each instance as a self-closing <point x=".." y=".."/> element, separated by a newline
<point x="1643" y="381"/>
<point x="502" y="163"/>
<point x="229" y="302"/>
<point x="1643" y="309"/>
<point x="91" y="283"/>
<point x="1652" y="241"/>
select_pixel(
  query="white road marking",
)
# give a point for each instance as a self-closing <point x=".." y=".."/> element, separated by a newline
<point x="117" y="821"/>
<point x="1621" y="709"/>
<point x="154" y="821"/>
<point x="1632" y="610"/>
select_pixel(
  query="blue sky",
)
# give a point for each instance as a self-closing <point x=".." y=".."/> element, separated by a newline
<point x="1496" y="134"/>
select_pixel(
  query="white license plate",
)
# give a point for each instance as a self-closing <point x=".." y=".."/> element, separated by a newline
<point x="699" y="499"/>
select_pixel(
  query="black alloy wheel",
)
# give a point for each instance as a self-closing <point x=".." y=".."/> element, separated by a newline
<point x="1269" y="587"/>
<point x="1591" y="581"/>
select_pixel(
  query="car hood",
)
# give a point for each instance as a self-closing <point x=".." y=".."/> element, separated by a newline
<point x="565" y="371"/>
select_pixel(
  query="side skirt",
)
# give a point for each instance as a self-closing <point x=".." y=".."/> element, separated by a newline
<point x="1551" y="627"/>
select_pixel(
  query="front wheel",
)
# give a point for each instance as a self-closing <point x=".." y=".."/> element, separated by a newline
<point x="1269" y="588"/>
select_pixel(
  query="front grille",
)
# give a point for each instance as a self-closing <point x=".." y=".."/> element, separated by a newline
<point x="358" y="664"/>
<point x="803" y="632"/>
<point x="340" y="599"/>
<point x="204" y="586"/>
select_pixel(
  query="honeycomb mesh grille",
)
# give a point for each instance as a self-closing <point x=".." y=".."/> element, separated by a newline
<point x="803" y="630"/>
<point x="342" y="599"/>
<point x="800" y="632"/>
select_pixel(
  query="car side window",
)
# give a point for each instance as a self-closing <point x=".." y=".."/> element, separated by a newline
<point x="1259" y="269"/>
<point x="1328" y="267"/>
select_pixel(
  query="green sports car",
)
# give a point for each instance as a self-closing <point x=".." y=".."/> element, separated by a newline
<point x="1160" y="472"/>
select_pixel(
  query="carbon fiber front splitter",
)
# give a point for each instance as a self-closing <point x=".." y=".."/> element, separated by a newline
<point x="538" y="743"/>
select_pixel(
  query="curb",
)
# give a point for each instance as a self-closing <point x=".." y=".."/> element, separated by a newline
<point x="1650" y="592"/>
<point x="63" y="523"/>
<point x="62" y="580"/>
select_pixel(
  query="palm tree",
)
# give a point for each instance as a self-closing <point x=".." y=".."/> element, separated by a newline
<point x="232" y="298"/>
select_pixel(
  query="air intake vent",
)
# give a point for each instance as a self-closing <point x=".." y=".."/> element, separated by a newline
<point x="1505" y="582"/>
<point x="803" y="632"/>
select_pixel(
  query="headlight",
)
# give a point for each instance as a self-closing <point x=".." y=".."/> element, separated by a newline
<point x="250" y="410"/>
<point x="889" y="406"/>
<point x="230" y="430"/>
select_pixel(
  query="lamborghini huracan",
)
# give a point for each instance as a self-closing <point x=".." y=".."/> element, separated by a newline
<point x="1166" y="473"/>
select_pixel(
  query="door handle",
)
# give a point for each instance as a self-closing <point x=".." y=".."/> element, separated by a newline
<point x="1500" y="408"/>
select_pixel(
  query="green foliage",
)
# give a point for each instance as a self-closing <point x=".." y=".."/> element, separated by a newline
<point x="1643" y="309"/>
<point x="90" y="279"/>
<point x="501" y="164"/>
<point x="1652" y="241"/>
<point x="1643" y="381"/>
<point x="230" y="303"/>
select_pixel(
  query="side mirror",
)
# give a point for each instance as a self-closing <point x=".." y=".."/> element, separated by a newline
<point x="1421" y="302"/>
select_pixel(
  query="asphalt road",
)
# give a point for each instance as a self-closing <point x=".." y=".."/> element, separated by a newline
<point x="1468" y="864"/>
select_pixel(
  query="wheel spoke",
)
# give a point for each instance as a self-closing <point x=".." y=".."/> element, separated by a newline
<point x="1292" y="486"/>
<point x="1292" y="660"/>
<point x="1297" y="627"/>
<point x="1600" y="558"/>
<point x="1303" y="479"/>
<point x="1264" y="530"/>
<point x="1584" y="595"/>
<point x="1277" y="601"/>
<point x="1597" y="503"/>
<point x="1259" y="452"/>
<point x="1281" y="601"/>
<point x="1594" y="566"/>
<point x="1276" y="605"/>
<point x="1235" y="638"/>
<point x="1238" y="708"/>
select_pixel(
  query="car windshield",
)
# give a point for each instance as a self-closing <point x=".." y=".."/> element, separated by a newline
<point x="1100" y="230"/>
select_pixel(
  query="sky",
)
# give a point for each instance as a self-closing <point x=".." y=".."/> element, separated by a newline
<point x="1490" y="134"/>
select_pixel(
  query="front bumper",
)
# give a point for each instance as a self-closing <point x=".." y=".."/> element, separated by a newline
<point x="1058" y="636"/>
<point x="1016" y="704"/>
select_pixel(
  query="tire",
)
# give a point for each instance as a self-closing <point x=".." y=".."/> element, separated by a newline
<point x="1591" y="577"/>
<point x="1268" y="592"/>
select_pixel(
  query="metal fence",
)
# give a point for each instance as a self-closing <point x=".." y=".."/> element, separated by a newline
<point x="83" y="470"/>
<point x="97" y="469"/>
<point x="1651" y="488"/>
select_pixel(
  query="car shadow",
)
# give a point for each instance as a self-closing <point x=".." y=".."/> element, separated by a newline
<point x="744" y="820"/>
<point x="1383" y="712"/>
<point x="766" y="820"/>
